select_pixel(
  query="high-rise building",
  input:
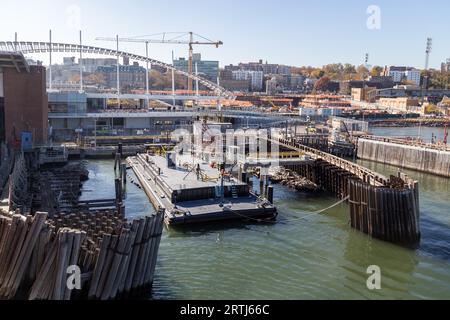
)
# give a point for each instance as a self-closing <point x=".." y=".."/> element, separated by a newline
<point x="206" y="69"/>
<point x="400" y="74"/>
<point x="256" y="78"/>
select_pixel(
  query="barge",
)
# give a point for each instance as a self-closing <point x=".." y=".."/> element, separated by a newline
<point x="193" y="191"/>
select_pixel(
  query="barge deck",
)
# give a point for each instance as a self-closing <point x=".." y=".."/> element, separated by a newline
<point x="189" y="198"/>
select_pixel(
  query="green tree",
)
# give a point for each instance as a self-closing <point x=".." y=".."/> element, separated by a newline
<point x="317" y="74"/>
<point x="361" y="72"/>
<point x="376" y="71"/>
<point x="333" y="71"/>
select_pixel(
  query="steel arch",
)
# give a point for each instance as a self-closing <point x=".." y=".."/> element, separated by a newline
<point x="26" y="47"/>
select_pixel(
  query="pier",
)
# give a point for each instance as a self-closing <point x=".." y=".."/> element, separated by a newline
<point x="384" y="208"/>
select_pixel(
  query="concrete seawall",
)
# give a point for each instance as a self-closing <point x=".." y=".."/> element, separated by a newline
<point x="418" y="158"/>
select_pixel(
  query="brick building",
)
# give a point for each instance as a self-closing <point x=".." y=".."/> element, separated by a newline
<point x="23" y="100"/>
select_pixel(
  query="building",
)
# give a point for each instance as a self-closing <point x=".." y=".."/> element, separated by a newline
<point x="359" y="94"/>
<point x="401" y="74"/>
<point x="445" y="67"/>
<point x="431" y="95"/>
<point x="307" y="112"/>
<point x="323" y="105"/>
<point x="225" y="74"/>
<point x="272" y="86"/>
<point x="236" y="85"/>
<point x="381" y="82"/>
<point x="444" y="106"/>
<point x="205" y="69"/>
<point x="296" y="81"/>
<point x="256" y="78"/>
<point x="405" y="104"/>
<point x="266" y="68"/>
<point x="67" y="102"/>
<point x="91" y="65"/>
<point x="23" y="100"/>
<point x="130" y="76"/>
<point x="68" y="61"/>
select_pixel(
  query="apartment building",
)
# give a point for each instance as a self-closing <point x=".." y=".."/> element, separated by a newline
<point x="400" y="74"/>
<point x="256" y="78"/>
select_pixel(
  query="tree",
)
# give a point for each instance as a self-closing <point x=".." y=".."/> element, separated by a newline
<point x="361" y="72"/>
<point x="317" y="74"/>
<point x="349" y="69"/>
<point x="334" y="71"/>
<point x="439" y="80"/>
<point x="376" y="71"/>
<point x="162" y="81"/>
<point x="322" y="84"/>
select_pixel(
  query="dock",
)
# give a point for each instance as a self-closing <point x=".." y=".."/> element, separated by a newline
<point x="386" y="208"/>
<point x="189" y="198"/>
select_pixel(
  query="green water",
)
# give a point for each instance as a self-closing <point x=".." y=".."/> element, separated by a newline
<point x="318" y="257"/>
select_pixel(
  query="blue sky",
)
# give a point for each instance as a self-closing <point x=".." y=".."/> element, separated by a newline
<point x="294" y="32"/>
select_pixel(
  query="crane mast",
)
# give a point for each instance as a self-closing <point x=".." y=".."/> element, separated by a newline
<point x="191" y="42"/>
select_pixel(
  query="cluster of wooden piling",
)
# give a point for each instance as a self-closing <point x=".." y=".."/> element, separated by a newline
<point x="389" y="214"/>
<point x="19" y="235"/>
<point x="61" y="188"/>
<point x="128" y="260"/>
<point x="387" y="209"/>
<point x="114" y="257"/>
<point x="292" y="180"/>
<point x="327" y="176"/>
<point x="51" y="280"/>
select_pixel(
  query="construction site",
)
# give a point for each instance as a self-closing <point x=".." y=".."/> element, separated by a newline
<point x="77" y="171"/>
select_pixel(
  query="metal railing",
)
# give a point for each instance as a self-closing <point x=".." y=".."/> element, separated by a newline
<point x="361" y="172"/>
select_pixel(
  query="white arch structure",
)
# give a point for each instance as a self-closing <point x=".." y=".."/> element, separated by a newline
<point x="25" y="47"/>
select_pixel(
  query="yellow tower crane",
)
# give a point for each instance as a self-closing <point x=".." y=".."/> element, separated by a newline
<point x="177" y="38"/>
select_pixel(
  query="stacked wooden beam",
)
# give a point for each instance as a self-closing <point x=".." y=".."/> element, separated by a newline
<point x="19" y="236"/>
<point x="128" y="260"/>
<point x="113" y="256"/>
<point x="51" y="281"/>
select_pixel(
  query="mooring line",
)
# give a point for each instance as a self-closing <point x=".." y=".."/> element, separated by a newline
<point x="291" y="220"/>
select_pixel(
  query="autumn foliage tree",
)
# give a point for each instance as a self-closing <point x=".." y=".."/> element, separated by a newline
<point x="322" y="84"/>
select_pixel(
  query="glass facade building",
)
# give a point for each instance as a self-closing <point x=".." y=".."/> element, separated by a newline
<point x="206" y="69"/>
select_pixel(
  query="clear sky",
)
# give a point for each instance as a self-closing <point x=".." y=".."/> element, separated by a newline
<point x="293" y="32"/>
